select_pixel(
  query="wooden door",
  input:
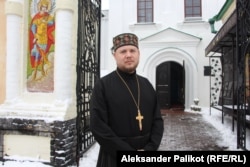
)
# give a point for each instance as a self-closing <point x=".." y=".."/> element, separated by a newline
<point x="170" y="81"/>
<point x="163" y="76"/>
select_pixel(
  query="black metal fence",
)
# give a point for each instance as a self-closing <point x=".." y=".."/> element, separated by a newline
<point x="88" y="67"/>
<point x="243" y="50"/>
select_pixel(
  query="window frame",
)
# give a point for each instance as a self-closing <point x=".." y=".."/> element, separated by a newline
<point x="147" y="12"/>
<point x="192" y="15"/>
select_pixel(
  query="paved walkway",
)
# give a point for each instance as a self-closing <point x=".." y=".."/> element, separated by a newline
<point x="188" y="131"/>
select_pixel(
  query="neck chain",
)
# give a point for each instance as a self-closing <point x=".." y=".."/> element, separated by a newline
<point x="139" y="117"/>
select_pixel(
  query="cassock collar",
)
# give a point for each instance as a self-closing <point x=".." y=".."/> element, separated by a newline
<point x="126" y="75"/>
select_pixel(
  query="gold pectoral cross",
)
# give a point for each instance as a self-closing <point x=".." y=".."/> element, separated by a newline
<point x="139" y="117"/>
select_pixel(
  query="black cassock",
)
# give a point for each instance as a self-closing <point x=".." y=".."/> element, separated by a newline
<point x="113" y="117"/>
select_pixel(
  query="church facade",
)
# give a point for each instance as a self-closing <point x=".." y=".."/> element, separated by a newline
<point x="173" y="36"/>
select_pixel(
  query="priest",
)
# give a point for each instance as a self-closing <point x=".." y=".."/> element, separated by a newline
<point x="124" y="111"/>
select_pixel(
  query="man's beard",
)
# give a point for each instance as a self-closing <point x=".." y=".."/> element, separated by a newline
<point x="130" y="69"/>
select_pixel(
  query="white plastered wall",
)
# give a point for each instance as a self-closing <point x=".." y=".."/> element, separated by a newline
<point x="59" y="104"/>
<point x="35" y="148"/>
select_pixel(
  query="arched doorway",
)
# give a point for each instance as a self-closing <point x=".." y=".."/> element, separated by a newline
<point x="170" y="84"/>
<point x="178" y="56"/>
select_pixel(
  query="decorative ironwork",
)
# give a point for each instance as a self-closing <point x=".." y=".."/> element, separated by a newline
<point x="88" y="67"/>
<point x="215" y="79"/>
<point x="243" y="48"/>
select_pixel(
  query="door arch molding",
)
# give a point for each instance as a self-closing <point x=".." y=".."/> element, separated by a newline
<point x="176" y="55"/>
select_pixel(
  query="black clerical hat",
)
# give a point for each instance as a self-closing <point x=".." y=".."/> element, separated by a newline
<point x="124" y="39"/>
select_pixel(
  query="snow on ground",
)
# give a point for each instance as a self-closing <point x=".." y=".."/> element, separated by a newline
<point x="229" y="136"/>
<point x="215" y="118"/>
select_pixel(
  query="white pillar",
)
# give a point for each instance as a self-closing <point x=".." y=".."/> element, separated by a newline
<point x="14" y="12"/>
<point x="63" y="51"/>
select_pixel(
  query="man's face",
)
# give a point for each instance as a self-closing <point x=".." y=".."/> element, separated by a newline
<point x="127" y="58"/>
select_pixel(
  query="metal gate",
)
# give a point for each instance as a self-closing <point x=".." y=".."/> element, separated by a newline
<point x="243" y="32"/>
<point x="88" y="68"/>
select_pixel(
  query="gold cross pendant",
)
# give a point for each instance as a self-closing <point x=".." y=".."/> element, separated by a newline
<point x="139" y="117"/>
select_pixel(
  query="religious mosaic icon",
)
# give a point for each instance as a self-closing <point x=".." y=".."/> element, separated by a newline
<point x="40" y="66"/>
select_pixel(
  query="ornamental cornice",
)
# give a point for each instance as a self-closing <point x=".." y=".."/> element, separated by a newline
<point x="13" y="8"/>
<point x="65" y="5"/>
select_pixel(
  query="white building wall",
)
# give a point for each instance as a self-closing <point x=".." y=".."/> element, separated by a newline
<point x="167" y="14"/>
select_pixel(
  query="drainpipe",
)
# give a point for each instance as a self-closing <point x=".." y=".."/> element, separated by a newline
<point x="211" y="22"/>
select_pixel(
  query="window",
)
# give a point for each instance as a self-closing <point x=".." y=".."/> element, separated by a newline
<point x="144" y="11"/>
<point x="192" y="8"/>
